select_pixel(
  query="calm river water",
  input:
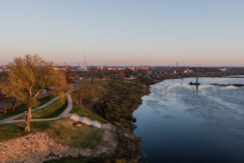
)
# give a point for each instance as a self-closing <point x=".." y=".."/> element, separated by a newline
<point x="179" y="123"/>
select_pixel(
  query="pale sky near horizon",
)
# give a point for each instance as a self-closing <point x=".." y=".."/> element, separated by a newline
<point x="124" y="32"/>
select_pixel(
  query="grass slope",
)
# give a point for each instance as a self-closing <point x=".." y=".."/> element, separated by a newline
<point x="62" y="131"/>
<point x="53" y="110"/>
<point x="21" y="108"/>
<point x="119" y="101"/>
<point x="84" y="112"/>
<point x="82" y="160"/>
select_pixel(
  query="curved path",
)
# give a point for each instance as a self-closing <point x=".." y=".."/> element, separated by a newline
<point x="33" y="110"/>
<point x="65" y="114"/>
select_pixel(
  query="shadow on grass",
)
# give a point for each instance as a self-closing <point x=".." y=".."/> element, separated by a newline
<point x="21" y="108"/>
<point x="62" y="131"/>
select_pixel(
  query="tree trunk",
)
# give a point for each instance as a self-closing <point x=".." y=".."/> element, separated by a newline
<point x="5" y="106"/>
<point x="27" y="121"/>
<point x="80" y="99"/>
<point x="13" y="104"/>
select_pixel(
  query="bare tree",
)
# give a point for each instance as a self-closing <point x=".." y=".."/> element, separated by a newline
<point x="85" y="89"/>
<point x="122" y="75"/>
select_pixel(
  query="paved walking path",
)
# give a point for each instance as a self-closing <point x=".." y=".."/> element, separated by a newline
<point x="6" y="120"/>
<point x="65" y="114"/>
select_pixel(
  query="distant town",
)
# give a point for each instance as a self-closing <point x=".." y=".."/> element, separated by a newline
<point x="131" y="72"/>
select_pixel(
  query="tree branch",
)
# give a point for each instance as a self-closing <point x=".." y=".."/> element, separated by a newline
<point x="37" y="93"/>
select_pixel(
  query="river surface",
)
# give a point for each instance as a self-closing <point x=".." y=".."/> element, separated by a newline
<point x="179" y="123"/>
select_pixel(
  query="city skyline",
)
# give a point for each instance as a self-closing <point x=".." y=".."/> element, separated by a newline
<point x="206" y="33"/>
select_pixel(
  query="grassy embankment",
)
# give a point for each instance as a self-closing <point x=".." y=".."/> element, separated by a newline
<point x="86" y="111"/>
<point x="119" y="101"/>
<point x="82" y="160"/>
<point x="112" y="101"/>
<point x="87" y="160"/>
<point x="21" y="108"/>
<point x="115" y="101"/>
<point x="62" y="131"/>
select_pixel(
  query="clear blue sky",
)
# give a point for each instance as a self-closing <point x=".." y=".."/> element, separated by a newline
<point x="124" y="32"/>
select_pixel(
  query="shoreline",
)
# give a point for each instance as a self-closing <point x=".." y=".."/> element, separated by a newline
<point x="226" y="85"/>
<point x="120" y="144"/>
<point x="128" y="147"/>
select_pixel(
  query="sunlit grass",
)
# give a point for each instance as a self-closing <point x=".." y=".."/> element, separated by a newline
<point x="62" y="131"/>
<point x="81" y="160"/>
<point x="53" y="110"/>
<point x="21" y="108"/>
<point x="85" y="112"/>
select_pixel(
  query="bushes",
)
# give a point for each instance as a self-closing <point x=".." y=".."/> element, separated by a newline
<point x="118" y="103"/>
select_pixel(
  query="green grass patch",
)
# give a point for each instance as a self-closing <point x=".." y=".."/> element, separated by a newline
<point x="65" y="133"/>
<point x="85" y="112"/>
<point x="81" y="160"/>
<point x="10" y="131"/>
<point x="62" y="131"/>
<point x="21" y="108"/>
<point x="53" y="110"/>
<point x="45" y="100"/>
<point x="88" y="160"/>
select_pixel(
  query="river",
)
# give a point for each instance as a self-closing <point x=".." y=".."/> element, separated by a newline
<point x="179" y="123"/>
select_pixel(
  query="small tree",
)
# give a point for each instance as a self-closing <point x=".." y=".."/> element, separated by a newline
<point x="7" y="97"/>
<point x="27" y="77"/>
<point x="3" y="96"/>
<point x="122" y="75"/>
<point x="92" y="73"/>
<point x="70" y="74"/>
<point x="13" y="102"/>
<point x="84" y="91"/>
<point x="4" y="100"/>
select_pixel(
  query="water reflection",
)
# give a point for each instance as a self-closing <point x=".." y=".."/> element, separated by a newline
<point x="183" y="123"/>
<point x="197" y="87"/>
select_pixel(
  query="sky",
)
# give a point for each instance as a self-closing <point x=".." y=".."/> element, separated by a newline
<point x="124" y="32"/>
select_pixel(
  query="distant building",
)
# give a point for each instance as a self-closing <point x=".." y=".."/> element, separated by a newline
<point x="188" y="71"/>
<point x="100" y="67"/>
<point x="142" y="68"/>
<point x="131" y="78"/>
<point x="3" y="68"/>
<point x="132" y="68"/>
<point x="116" y="68"/>
<point x="58" y="68"/>
<point x="82" y="68"/>
<point x="223" y="69"/>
